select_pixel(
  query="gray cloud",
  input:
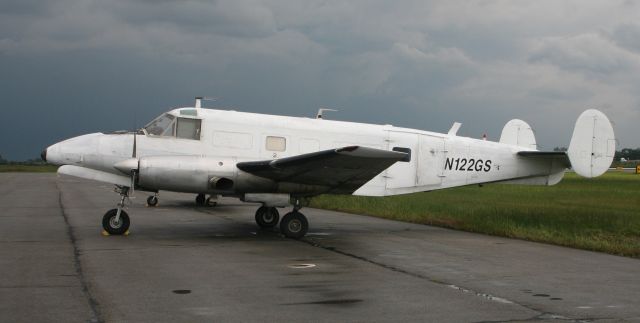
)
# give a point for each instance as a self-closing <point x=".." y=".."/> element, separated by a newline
<point x="74" y="66"/>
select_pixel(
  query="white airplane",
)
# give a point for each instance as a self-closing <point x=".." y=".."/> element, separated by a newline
<point x="279" y="161"/>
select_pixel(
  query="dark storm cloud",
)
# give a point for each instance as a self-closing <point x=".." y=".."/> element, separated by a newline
<point x="72" y="66"/>
<point x="231" y="18"/>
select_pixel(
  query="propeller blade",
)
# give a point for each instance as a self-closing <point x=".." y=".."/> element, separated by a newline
<point x="133" y="181"/>
<point x="135" y="148"/>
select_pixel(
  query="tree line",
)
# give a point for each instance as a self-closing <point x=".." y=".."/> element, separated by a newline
<point x="32" y="161"/>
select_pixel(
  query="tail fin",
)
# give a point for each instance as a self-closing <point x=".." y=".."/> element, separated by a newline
<point x="519" y="133"/>
<point x="593" y="144"/>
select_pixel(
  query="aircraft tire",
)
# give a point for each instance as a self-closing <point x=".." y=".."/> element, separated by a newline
<point x="267" y="217"/>
<point x="152" y="200"/>
<point x="115" y="228"/>
<point x="200" y="199"/>
<point x="294" y="225"/>
<point x="210" y="202"/>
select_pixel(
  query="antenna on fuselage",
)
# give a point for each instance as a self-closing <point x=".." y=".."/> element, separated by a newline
<point x="321" y="110"/>
<point x="199" y="100"/>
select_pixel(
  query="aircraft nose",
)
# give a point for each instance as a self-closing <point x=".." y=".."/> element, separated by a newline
<point x="43" y="155"/>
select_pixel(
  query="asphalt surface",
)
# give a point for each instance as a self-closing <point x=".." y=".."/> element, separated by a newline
<point x="183" y="263"/>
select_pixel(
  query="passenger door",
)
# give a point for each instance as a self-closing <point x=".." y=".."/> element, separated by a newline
<point x="431" y="160"/>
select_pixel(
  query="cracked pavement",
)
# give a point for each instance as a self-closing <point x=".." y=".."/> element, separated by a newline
<point x="197" y="264"/>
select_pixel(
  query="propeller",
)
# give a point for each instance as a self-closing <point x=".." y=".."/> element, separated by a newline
<point x="135" y="148"/>
<point x="134" y="156"/>
<point x="130" y="166"/>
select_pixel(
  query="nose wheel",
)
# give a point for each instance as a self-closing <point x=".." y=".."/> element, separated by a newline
<point x="114" y="223"/>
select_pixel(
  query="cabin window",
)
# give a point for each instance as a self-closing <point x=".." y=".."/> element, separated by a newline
<point x="407" y="151"/>
<point x="188" y="128"/>
<point x="276" y="143"/>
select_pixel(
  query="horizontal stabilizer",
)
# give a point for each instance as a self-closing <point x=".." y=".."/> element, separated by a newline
<point x="557" y="155"/>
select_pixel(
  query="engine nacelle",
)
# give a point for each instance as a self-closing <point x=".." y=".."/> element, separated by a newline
<point x="193" y="174"/>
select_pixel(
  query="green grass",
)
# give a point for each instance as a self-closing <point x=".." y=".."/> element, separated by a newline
<point x="28" y="168"/>
<point x="601" y="214"/>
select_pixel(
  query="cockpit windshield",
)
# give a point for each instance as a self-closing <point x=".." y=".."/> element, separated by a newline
<point x="163" y="125"/>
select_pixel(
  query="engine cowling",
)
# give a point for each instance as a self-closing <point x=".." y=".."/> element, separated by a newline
<point x="188" y="174"/>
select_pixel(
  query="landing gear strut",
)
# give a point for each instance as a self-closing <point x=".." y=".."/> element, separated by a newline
<point x="203" y="200"/>
<point x="267" y="217"/>
<point x="200" y="199"/>
<point x="116" y="221"/>
<point x="294" y="224"/>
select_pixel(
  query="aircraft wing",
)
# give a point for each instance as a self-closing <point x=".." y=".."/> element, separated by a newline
<point x="95" y="175"/>
<point x="343" y="170"/>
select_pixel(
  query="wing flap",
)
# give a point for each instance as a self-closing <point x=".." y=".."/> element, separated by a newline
<point x="343" y="170"/>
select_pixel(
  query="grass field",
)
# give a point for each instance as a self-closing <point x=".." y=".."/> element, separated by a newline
<point x="601" y="214"/>
<point x="28" y="168"/>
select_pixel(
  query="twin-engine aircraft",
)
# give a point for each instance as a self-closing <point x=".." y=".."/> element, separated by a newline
<point x="280" y="161"/>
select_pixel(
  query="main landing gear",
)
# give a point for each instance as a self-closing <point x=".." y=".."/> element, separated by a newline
<point x="116" y="221"/>
<point x="293" y="225"/>
<point x="152" y="200"/>
<point x="202" y="200"/>
<point x="267" y="217"/>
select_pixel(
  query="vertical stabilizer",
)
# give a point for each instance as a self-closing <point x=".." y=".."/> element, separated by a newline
<point x="593" y="144"/>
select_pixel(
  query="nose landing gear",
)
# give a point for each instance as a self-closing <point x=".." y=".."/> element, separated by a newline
<point x="116" y="221"/>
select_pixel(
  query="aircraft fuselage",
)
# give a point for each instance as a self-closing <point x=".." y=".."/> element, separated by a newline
<point x="224" y="138"/>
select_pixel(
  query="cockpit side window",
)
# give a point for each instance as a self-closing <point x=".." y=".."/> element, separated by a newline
<point x="163" y="125"/>
<point x="188" y="128"/>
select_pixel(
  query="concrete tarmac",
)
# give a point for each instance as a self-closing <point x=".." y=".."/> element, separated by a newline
<point x="183" y="263"/>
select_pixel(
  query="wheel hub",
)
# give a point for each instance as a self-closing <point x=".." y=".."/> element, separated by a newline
<point x="295" y="225"/>
<point x="116" y="224"/>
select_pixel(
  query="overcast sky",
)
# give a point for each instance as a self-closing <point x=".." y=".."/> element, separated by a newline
<point x="69" y="67"/>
